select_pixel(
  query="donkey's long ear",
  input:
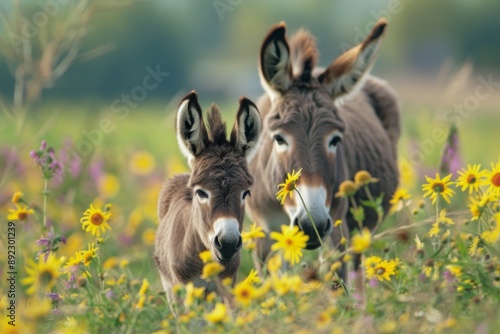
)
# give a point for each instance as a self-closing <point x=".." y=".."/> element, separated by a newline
<point x="347" y="71"/>
<point x="275" y="67"/>
<point x="191" y="132"/>
<point x="247" y="128"/>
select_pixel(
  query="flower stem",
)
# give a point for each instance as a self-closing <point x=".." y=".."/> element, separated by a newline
<point x="310" y="217"/>
<point x="437" y="209"/>
<point x="45" y="195"/>
<point x="355" y="207"/>
<point x="437" y="218"/>
<point x="369" y="194"/>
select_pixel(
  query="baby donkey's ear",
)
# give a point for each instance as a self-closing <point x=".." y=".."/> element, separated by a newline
<point x="247" y="128"/>
<point x="191" y="132"/>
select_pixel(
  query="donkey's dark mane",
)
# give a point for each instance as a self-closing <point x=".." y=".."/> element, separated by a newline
<point x="216" y="126"/>
<point x="304" y="54"/>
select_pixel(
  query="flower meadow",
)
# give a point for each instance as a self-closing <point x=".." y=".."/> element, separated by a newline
<point x="85" y="228"/>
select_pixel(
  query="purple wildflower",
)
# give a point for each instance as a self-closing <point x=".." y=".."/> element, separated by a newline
<point x="46" y="159"/>
<point x="54" y="296"/>
<point x="357" y="296"/>
<point x="49" y="244"/>
<point x="70" y="160"/>
<point x="483" y="328"/>
<point x="374" y="282"/>
<point x="448" y="276"/>
<point x="110" y="294"/>
<point x="43" y="242"/>
<point x="36" y="156"/>
<point x="126" y="240"/>
<point x="96" y="170"/>
<point x="70" y="284"/>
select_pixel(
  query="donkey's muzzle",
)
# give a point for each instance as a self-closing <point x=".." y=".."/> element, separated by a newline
<point x="227" y="241"/>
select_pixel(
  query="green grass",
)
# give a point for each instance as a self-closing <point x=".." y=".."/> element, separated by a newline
<point x="407" y="302"/>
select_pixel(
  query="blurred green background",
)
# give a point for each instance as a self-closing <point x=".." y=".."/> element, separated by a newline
<point x="212" y="46"/>
<point x="433" y="53"/>
<point x="73" y="73"/>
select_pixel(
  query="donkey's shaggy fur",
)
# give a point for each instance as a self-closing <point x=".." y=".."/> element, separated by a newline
<point x="331" y="123"/>
<point x="204" y="210"/>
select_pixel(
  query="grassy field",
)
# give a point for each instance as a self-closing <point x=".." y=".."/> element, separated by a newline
<point x="449" y="283"/>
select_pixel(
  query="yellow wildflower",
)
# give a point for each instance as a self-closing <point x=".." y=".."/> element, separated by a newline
<point x="17" y="197"/>
<point x="346" y="189"/>
<point x="291" y="240"/>
<point x="244" y="293"/>
<point x="438" y="187"/>
<point x="471" y="178"/>
<point x="361" y="242"/>
<point x="206" y="256"/>
<point x="142" y="163"/>
<point x="420" y="244"/>
<point x="383" y="270"/>
<point x="288" y="186"/>
<point x="434" y="230"/>
<point x="493" y="179"/>
<point x="249" y="237"/>
<point x="42" y="275"/>
<point x="443" y="219"/>
<point x="20" y="213"/>
<point x="492" y="236"/>
<point x="148" y="236"/>
<point x="95" y="221"/>
<point x="454" y="269"/>
<point x="372" y="262"/>
<point x="218" y="314"/>
<point x="193" y="293"/>
<point x="364" y="177"/>
<point x="89" y="254"/>
<point x="108" y="185"/>
<point x="274" y="263"/>
<point x="398" y="199"/>
<point x="110" y="263"/>
<point x="211" y="269"/>
<point x="252" y="277"/>
<point x="477" y="206"/>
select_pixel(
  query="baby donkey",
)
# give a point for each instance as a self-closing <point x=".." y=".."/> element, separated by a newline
<point x="204" y="210"/>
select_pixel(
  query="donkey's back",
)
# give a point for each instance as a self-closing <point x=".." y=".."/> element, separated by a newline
<point x="372" y="118"/>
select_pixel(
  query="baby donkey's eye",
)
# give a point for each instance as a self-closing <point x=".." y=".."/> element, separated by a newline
<point x="201" y="194"/>
<point x="280" y="140"/>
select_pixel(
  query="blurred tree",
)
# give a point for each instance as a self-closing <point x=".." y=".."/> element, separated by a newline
<point x="39" y="43"/>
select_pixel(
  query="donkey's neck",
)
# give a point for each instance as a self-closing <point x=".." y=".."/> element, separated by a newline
<point x="193" y="241"/>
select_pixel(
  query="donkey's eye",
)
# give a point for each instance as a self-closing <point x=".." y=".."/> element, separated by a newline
<point x="245" y="194"/>
<point x="335" y="141"/>
<point x="201" y="194"/>
<point x="280" y="140"/>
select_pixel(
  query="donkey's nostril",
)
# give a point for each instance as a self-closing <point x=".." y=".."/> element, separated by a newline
<point x="240" y="243"/>
<point x="328" y="225"/>
<point x="217" y="243"/>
